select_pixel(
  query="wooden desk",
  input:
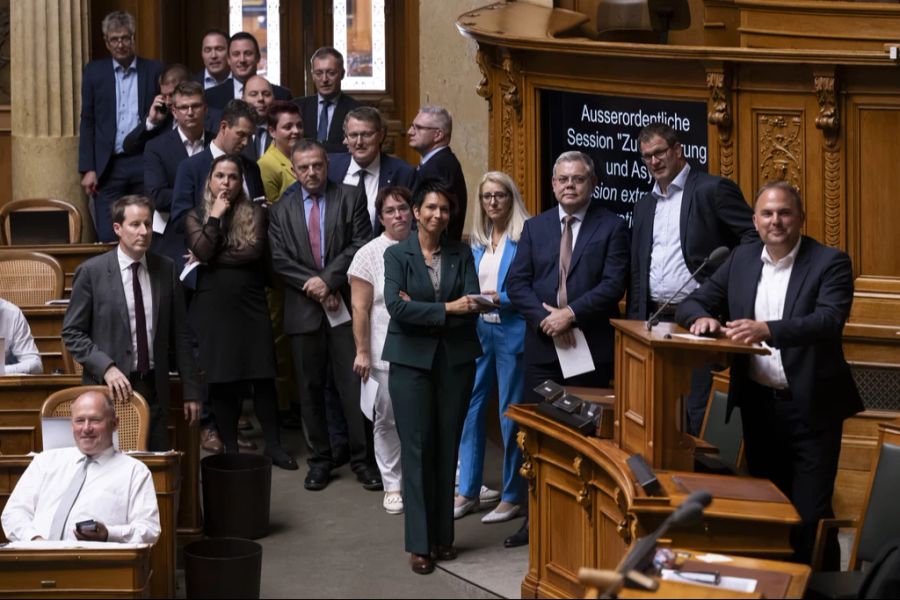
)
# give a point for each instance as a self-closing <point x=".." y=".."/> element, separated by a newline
<point x="585" y="510"/>
<point x="653" y="372"/>
<point x="797" y="575"/>
<point x="166" y="480"/>
<point x="21" y="398"/>
<point x="70" y="256"/>
<point x="46" y="328"/>
<point x="75" y="573"/>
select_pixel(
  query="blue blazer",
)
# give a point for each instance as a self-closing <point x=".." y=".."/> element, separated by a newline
<point x="597" y="278"/>
<point x="809" y="334"/>
<point x="97" y="131"/>
<point x="393" y="171"/>
<point x="511" y="321"/>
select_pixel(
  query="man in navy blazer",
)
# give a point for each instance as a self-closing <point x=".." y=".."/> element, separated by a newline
<point x="235" y="131"/>
<point x="243" y="59"/>
<point x="792" y="295"/>
<point x="365" y="166"/>
<point x="214" y="52"/>
<point x="327" y="68"/>
<point x="115" y="93"/>
<point x="686" y="216"/>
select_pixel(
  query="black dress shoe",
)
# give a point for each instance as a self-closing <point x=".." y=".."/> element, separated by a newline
<point x="282" y="459"/>
<point x="444" y="552"/>
<point x="519" y="538"/>
<point x="340" y="456"/>
<point x="370" y="479"/>
<point x="317" y="478"/>
<point x="422" y="564"/>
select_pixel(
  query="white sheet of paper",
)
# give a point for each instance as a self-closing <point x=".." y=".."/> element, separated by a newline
<point x="68" y="544"/>
<point x="690" y="336"/>
<point x="187" y="270"/>
<point x="737" y="584"/>
<point x="367" y="392"/>
<point x="339" y="316"/>
<point x="576" y="360"/>
<point x="160" y="219"/>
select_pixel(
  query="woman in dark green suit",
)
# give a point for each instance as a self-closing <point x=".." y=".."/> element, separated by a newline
<point x="431" y="345"/>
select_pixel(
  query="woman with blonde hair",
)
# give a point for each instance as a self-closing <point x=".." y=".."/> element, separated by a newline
<point x="496" y="227"/>
<point x="227" y="235"/>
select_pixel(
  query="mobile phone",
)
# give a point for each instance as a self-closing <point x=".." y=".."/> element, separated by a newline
<point x="161" y="108"/>
<point x="89" y="525"/>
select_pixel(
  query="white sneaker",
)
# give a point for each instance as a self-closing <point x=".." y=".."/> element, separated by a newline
<point x="496" y="516"/>
<point x="488" y="495"/>
<point x="393" y="503"/>
<point x="461" y="510"/>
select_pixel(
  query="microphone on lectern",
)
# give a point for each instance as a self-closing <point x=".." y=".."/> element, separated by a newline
<point x="715" y="258"/>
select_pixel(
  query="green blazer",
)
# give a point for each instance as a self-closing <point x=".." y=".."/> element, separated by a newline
<point x="419" y="325"/>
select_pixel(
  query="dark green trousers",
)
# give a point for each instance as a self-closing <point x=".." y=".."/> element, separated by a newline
<point x="430" y="407"/>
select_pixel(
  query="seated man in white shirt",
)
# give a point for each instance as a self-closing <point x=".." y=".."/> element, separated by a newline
<point x="22" y="355"/>
<point x="90" y="482"/>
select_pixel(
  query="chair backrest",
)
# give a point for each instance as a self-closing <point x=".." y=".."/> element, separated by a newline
<point x="30" y="278"/>
<point x="727" y="437"/>
<point x="34" y="226"/>
<point x="133" y="413"/>
<point x="881" y="518"/>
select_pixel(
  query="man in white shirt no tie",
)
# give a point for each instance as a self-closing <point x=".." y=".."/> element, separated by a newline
<point x="89" y="482"/>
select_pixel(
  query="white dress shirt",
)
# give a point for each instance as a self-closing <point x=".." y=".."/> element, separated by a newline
<point x="238" y="89"/>
<point x="192" y="147"/>
<point x="22" y="355"/>
<point x="576" y="224"/>
<point x="770" y="294"/>
<point x="668" y="270"/>
<point x="372" y="178"/>
<point x="368" y="265"/>
<point x="489" y="274"/>
<point x="118" y="491"/>
<point x="147" y="294"/>
<point x="431" y="153"/>
<point x="209" y="81"/>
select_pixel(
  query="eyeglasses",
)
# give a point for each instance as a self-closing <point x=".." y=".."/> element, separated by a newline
<point x="658" y="155"/>
<point x="576" y="179"/>
<point x="319" y="73"/>
<point x="491" y="196"/>
<point x="120" y="40"/>
<point x="418" y="127"/>
<point x="399" y="210"/>
<point x="366" y="135"/>
<point x="189" y="107"/>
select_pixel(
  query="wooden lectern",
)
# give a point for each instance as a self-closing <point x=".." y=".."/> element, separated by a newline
<point x="653" y="373"/>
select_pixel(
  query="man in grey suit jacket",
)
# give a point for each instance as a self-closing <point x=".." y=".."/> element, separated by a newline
<point x="126" y="314"/>
<point x="314" y="231"/>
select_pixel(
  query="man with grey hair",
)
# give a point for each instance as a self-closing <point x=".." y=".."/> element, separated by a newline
<point x="324" y="112"/>
<point x="429" y="135"/>
<point x="89" y="491"/>
<point x="116" y="93"/>
<point x="569" y="273"/>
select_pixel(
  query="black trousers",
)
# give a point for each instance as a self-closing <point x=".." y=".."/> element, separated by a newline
<point x="158" y="440"/>
<point x="538" y="373"/>
<point x="800" y="460"/>
<point x="124" y="175"/>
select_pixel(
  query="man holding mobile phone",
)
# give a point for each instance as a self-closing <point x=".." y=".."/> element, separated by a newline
<point x="87" y="492"/>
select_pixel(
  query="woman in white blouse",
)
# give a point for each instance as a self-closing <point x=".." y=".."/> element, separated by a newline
<point x="496" y="228"/>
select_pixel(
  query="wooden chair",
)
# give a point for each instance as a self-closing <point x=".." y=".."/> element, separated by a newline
<point x="720" y="447"/>
<point x="39" y="205"/>
<point x="878" y="525"/>
<point x="134" y="414"/>
<point x="30" y="278"/>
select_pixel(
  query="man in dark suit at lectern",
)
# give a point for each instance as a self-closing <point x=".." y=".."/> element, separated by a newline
<point x="793" y="295"/>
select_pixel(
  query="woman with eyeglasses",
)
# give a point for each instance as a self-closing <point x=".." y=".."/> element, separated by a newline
<point x="285" y="127"/>
<point x="496" y="228"/>
<point x="227" y="234"/>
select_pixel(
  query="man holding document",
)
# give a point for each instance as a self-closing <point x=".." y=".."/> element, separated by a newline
<point x="570" y="272"/>
<point x="568" y="276"/>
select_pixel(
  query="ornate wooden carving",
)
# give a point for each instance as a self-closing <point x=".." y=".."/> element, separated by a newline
<point x="511" y="118"/>
<point x="527" y="468"/>
<point x="485" y="87"/>
<point x="829" y="123"/>
<point x="780" y="148"/>
<point x="626" y="527"/>
<point x="718" y="80"/>
<point x="584" y="494"/>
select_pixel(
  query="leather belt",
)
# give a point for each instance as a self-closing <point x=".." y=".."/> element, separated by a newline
<point x="780" y="394"/>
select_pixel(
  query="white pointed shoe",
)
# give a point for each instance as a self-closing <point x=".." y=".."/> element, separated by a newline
<point x="497" y="516"/>
<point x="488" y="495"/>
<point x="461" y="510"/>
<point x="393" y="503"/>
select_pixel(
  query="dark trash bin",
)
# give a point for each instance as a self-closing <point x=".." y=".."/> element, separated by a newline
<point x="237" y="489"/>
<point x="222" y="568"/>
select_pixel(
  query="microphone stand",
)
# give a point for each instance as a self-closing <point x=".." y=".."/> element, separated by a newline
<point x="654" y="318"/>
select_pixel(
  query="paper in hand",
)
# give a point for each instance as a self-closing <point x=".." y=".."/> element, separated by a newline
<point x="577" y="359"/>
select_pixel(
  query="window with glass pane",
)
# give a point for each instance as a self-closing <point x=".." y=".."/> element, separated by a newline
<point x="262" y="19"/>
<point x="359" y="35"/>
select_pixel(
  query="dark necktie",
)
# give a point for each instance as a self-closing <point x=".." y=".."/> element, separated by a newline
<point x="140" y="321"/>
<point x="58" y="524"/>
<point x="315" y="235"/>
<point x="362" y="184"/>
<point x="322" y="131"/>
<point x="565" y="258"/>
<point x="262" y="136"/>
